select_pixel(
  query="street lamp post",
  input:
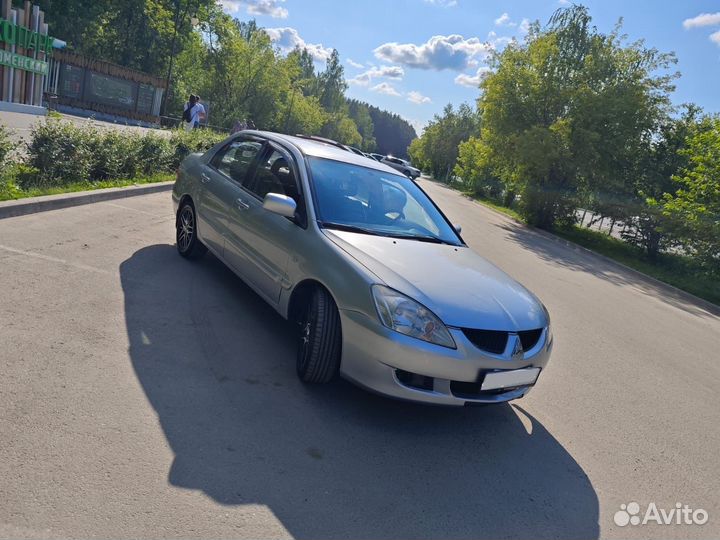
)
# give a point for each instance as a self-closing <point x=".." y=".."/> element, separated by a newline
<point x="178" y="18"/>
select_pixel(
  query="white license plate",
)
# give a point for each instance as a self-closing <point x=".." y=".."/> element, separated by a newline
<point x="508" y="379"/>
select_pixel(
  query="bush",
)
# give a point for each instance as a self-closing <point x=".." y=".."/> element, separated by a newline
<point x="187" y="142"/>
<point x="62" y="153"/>
<point x="6" y="146"/>
<point x="155" y="154"/>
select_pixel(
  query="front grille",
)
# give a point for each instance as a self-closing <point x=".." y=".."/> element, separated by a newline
<point x="529" y="338"/>
<point x="492" y="341"/>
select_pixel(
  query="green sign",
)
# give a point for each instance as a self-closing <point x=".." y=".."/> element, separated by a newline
<point x="14" y="34"/>
<point x="23" y="62"/>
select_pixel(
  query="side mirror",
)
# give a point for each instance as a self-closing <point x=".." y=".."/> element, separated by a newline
<point x="458" y="228"/>
<point x="281" y="205"/>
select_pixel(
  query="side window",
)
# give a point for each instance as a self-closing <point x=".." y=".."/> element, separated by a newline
<point x="235" y="159"/>
<point x="275" y="175"/>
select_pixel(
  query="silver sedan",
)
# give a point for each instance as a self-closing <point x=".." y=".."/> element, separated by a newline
<point x="383" y="289"/>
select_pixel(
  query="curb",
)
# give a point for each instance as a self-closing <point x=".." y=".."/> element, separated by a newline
<point x="44" y="203"/>
<point x="705" y="304"/>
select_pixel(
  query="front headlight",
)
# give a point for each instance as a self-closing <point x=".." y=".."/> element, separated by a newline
<point x="403" y="314"/>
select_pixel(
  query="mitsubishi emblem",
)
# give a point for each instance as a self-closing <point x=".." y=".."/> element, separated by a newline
<point x="517" y="351"/>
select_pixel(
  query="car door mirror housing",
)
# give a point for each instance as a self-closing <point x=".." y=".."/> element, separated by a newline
<point x="281" y="205"/>
<point x="458" y="228"/>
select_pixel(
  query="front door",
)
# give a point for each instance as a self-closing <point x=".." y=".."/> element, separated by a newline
<point x="258" y="242"/>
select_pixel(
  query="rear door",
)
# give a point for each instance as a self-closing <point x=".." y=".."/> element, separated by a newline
<point x="259" y="243"/>
<point x="220" y="180"/>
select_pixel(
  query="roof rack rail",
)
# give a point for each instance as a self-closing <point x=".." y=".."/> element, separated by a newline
<point x="324" y="140"/>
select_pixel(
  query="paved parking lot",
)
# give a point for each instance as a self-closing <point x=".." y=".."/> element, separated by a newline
<point x="145" y="395"/>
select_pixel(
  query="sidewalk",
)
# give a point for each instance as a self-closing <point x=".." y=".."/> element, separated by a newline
<point x="21" y="124"/>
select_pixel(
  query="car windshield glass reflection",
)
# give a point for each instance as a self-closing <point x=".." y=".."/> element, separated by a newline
<point x="360" y="199"/>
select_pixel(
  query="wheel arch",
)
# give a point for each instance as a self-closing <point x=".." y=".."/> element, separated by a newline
<point x="299" y="296"/>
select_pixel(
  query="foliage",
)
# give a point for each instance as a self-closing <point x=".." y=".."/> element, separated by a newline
<point x="6" y="146"/>
<point x="474" y="169"/>
<point x="663" y="157"/>
<point x="393" y="134"/>
<point x="696" y="205"/>
<point x="184" y="143"/>
<point x="437" y="149"/>
<point x="567" y="114"/>
<point x="61" y="153"/>
<point x="232" y="64"/>
<point x="140" y="34"/>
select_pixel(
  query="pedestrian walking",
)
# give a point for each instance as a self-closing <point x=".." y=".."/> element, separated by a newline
<point x="193" y="113"/>
<point x="239" y="125"/>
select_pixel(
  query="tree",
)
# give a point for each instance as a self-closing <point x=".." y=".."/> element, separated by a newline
<point x="437" y="150"/>
<point x="360" y="114"/>
<point x="566" y="114"/>
<point x="475" y="170"/>
<point x="663" y="159"/>
<point x="332" y="84"/>
<point x="696" y="205"/>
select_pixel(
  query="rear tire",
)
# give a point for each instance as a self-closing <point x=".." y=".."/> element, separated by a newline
<point x="186" y="240"/>
<point x="320" y="339"/>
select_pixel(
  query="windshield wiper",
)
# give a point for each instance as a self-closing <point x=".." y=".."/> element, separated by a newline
<point x="422" y="238"/>
<point x="348" y="228"/>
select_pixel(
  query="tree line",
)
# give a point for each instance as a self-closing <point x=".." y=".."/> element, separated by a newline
<point x="233" y="65"/>
<point x="572" y="118"/>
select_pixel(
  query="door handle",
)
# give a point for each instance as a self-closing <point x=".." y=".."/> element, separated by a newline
<point x="204" y="178"/>
<point x="241" y="204"/>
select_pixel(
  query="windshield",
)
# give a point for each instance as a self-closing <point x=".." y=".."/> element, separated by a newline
<point x="352" y="197"/>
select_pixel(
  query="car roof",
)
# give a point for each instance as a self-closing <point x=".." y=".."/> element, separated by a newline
<point x="317" y="148"/>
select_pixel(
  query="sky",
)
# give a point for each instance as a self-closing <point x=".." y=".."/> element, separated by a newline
<point x="413" y="57"/>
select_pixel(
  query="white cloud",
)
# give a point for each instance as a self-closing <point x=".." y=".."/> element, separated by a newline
<point x="472" y="81"/>
<point x="388" y="72"/>
<point x="439" y="52"/>
<point x="524" y="26"/>
<point x="442" y="3"/>
<point x="385" y="88"/>
<point x="704" y="19"/>
<point x="288" y="38"/>
<point x="354" y="64"/>
<point x="504" y="20"/>
<point x="271" y="8"/>
<point x="564" y="2"/>
<point x="417" y="98"/>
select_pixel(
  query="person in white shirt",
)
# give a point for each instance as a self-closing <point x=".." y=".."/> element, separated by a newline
<point x="193" y="113"/>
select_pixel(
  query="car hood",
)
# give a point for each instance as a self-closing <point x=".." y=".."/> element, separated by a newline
<point x="457" y="284"/>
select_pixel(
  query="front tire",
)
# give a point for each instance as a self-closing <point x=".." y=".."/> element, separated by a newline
<point x="186" y="240"/>
<point x="320" y="340"/>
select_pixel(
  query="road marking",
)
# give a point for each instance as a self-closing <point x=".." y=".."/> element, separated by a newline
<point x="131" y="208"/>
<point x="54" y="259"/>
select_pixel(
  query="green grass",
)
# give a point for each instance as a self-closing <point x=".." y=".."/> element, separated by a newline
<point x="495" y="206"/>
<point x="676" y="270"/>
<point x="10" y="191"/>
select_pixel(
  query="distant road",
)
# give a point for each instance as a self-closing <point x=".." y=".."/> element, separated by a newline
<point x="142" y="395"/>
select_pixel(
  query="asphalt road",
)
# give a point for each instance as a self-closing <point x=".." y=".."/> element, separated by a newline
<point x="21" y="125"/>
<point x="145" y="395"/>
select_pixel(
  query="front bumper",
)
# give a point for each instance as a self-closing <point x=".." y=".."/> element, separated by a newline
<point x="380" y="360"/>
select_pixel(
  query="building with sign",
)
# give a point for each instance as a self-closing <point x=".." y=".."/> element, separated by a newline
<point x="34" y="71"/>
<point x="25" y="48"/>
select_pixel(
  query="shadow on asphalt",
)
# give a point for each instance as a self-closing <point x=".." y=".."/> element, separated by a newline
<point x="217" y="364"/>
<point x="577" y="259"/>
